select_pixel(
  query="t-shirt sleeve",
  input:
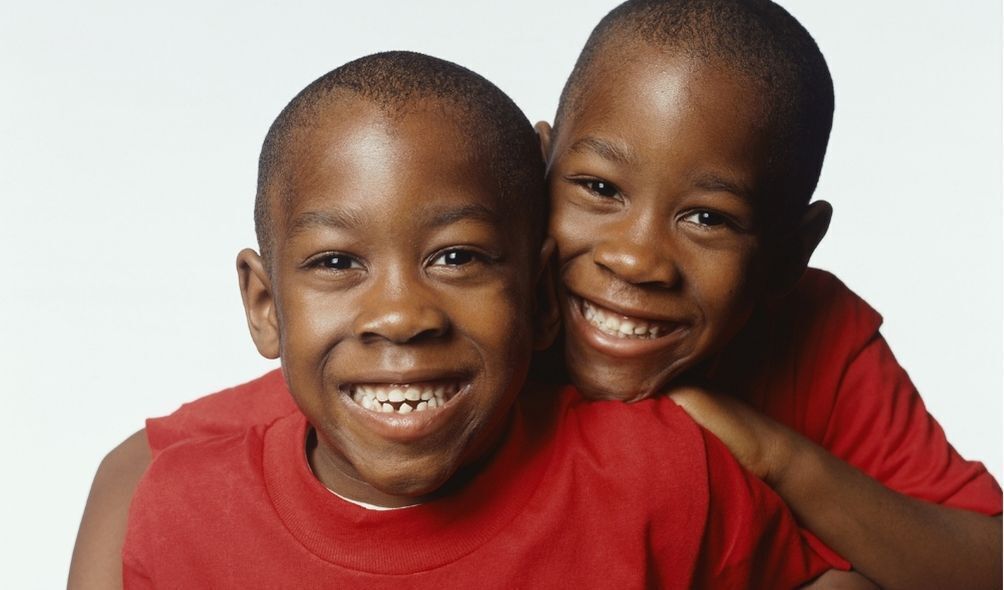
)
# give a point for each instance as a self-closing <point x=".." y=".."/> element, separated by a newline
<point x="133" y="576"/>
<point x="879" y="424"/>
<point x="751" y="538"/>
<point x="229" y="411"/>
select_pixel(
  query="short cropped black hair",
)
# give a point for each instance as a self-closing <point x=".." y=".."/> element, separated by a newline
<point x="396" y="81"/>
<point x="754" y="38"/>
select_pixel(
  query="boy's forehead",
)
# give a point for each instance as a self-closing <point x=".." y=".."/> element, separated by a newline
<point x="357" y="147"/>
<point x="644" y="104"/>
<point x="658" y="77"/>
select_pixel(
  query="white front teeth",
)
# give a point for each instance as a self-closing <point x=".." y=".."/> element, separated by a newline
<point x="620" y="326"/>
<point x="402" y="398"/>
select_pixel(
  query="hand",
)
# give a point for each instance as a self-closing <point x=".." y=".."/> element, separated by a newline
<point x="761" y="445"/>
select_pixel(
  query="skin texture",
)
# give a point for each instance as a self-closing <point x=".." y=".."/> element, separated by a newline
<point x="657" y="223"/>
<point x="390" y="252"/>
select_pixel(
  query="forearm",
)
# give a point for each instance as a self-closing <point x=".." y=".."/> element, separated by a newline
<point x="895" y="540"/>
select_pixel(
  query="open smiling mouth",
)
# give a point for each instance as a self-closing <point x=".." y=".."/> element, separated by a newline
<point x="622" y="326"/>
<point x="403" y="398"/>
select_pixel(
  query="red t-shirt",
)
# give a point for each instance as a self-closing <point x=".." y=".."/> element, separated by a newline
<point x="581" y="495"/>
<point x="816" y="362"/>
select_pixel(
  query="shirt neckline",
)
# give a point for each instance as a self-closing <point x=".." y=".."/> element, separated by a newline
<point x="413" y="539"/>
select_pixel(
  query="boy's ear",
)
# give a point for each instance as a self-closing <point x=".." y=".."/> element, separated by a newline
<point x="547" y="316"/>
<point x="798" y="250"/>
<point x="259" y="304"/>
<point x="543" y="129"/>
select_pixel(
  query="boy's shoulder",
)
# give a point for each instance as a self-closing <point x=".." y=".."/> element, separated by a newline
<point x="690" y="486"/>
<point x="821" y="302"/>
<point x="630" y="440"/>
<point x="198" y="496"/>
<point x="800" y="344"/>
<point x="231" y="410"/>
<point x="202" y="469"/>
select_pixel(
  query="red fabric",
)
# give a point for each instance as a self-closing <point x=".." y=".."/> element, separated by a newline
<point x="581" y="495"/>
<point x="817" y="363"/>
<point x="225" y="412"/>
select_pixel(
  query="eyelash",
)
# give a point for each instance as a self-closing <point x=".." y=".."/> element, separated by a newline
<point x="471" y="255"/>
<point x="466" y="255"/>
<point x="597" y="187"/>
<point x="321" y="261"/>
<point x="720" y="219"/>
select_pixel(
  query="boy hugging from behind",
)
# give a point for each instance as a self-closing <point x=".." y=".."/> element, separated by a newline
<point x="402" y="282"/>
<point x="687" y="145"/>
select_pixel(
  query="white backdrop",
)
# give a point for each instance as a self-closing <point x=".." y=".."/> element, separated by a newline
<point x="128" y="141"/>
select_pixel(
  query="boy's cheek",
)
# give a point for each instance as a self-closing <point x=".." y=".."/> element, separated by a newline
<point x="571" y="228"/>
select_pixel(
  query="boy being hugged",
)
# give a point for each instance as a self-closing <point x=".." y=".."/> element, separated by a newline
<point x="400" y="216"/>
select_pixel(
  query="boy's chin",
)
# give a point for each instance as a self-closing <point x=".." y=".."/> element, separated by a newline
<point x="599" y="377"/>
<point x="596" y="386"/>
<point x="405" y="487"/>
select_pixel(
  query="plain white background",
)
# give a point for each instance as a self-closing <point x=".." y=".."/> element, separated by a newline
<point x="128" y="141"/>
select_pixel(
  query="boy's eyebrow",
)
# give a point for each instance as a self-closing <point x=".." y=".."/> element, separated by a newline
<point x="445" y="216"/>
<point x="339" y="218"/>
<point x="433" y="217"/>
<point x="604" y="148"/>
<point x="714" y="182"/>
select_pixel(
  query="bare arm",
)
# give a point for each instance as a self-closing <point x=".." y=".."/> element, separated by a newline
<point x="838" y="580"/>
<point x="894" y="540"/>
<point x="97" y="555"/>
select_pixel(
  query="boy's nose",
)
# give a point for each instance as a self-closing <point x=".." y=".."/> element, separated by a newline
<point x="636" y="260"/>
<point x="400" y="314"/>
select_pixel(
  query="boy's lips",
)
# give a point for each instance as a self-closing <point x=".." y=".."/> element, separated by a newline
<point x="618" y="334"/>
<point x="405" y="410"/>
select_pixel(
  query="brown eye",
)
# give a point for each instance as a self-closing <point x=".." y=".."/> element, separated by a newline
<point x="455" y="258"/>
<point x="337" y="262"/>
<point x="602" y="188"/>
<point x="706" y="218"/>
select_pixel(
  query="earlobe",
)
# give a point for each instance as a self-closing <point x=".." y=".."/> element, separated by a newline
<point x="547" y="315"/>
<point x="259" y="304"/>
<point x="543" y="129"/>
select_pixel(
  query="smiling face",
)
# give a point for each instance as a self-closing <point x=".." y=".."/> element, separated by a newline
<point x="399" y="299"/>
<point x="656" y="181"/>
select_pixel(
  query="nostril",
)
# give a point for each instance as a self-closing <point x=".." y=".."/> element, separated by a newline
<point x="636" y="264"/>
<point x="403" y="326"/>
